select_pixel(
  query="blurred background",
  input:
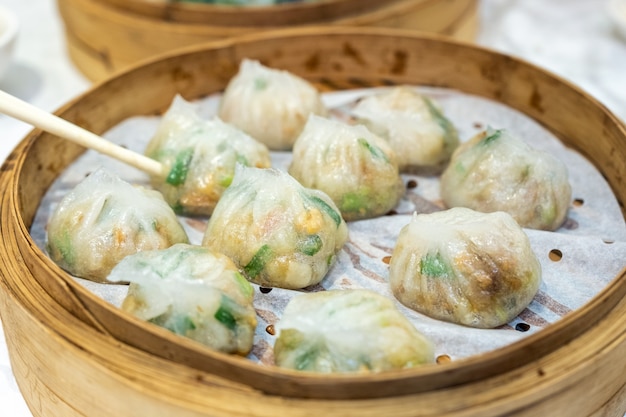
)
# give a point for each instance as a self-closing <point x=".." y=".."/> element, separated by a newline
<point x="52" y="58"/>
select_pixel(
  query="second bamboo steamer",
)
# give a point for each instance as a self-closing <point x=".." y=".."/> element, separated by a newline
<point x="104" y="36"/>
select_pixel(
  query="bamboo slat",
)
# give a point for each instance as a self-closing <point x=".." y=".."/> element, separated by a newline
<point x="138" y="29"/>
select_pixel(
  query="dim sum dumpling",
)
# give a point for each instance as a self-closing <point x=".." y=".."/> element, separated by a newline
<point x="193" y="292"/>
<point x="416" y="129"/>
<point x="495" y="171"/>
<point x="466" y="267"/>
<point x="269" y="104"/>
<point x="200" y="156"/>
<point x="348" y="331"/>
<point x="104" y="219"/>
<point x="280" y="233"/>
<point x="356" y="168"/>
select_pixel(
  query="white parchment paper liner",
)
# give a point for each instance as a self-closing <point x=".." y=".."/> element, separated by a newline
<point x="592" y="241"/>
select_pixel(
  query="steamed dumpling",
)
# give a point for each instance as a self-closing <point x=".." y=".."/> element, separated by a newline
<point x="356" y="168"/>
<point x="200" y="156"/>
<point x="193" y="292"/>
<point x="280" y="233"/>
<point x="269" y="104"/>
<point x="495" y="171"/>
<point x="416" y="129"/>
<point x="348" y="331"/>
<point x="104" y="219"/>
<point x="465" y="267"/>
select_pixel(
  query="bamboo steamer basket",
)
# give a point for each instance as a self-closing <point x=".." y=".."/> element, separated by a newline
<point x="104" y="36"/>
<point x="74" y="354"/>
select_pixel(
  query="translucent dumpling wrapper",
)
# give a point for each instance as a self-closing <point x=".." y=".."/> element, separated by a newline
<point x="355" y="167"/>
<point x="466" y="267"/>
<point x="104" y="219"/>
<point x="200" y="156"/>
<point x="269" y="104"/>
<point x="495" y="171"/>
<point x="278" y="232"/>
<point x="348" y="331"/>
<point x="191" y="291"/>
<point x="415" y="127"/>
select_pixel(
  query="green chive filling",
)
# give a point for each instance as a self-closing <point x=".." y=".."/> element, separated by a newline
<point x="244" y="285"/>
<point x="435" y="266"/>
<point x="307" y="359"/>
<point x="180" y="168"/>
<point x="258" y="261"/>
<point x="226" y="181"/>
<point x="450" y="135"/>
<point x="492" y="135"/>
<point x="325" y="207"/>
<point x="260" y="84"/>
<point x="105" y="211"/>
<point x="65" y="248"/>
<point x="178" y="208"/>
<point x="180" y="325"/>
<point x="375" y="151"/>
<point x="188" y="324"/>
<point x="224" y="314"/>
<point x="310" y="245"/>
<point x="242" y="160"/>
<point x="355" y="202"/>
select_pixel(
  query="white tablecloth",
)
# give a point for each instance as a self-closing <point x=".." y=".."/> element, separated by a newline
<point x="573" y="38"/>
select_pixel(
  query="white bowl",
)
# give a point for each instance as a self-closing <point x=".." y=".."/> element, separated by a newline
<point x="616" y="9"/>
<point x="8" y="34"/>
